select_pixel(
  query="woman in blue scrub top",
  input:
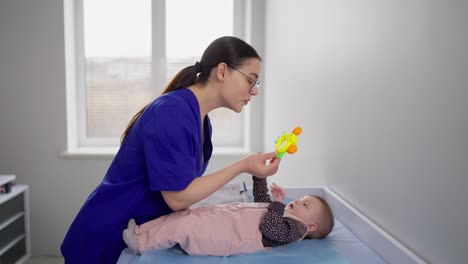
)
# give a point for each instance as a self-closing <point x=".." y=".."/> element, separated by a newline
<point x="164" y="151"/>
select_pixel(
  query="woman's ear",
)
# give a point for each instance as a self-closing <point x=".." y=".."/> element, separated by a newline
<point x="221" y="71"/>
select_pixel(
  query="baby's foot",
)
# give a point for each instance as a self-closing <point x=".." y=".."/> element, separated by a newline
<point x="131" y="240"/>
<point x="131" y="224"/>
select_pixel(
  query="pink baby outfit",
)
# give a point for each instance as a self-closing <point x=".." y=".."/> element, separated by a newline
<point x="217" y="230"/>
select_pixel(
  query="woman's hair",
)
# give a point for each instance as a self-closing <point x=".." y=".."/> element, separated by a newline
<point x="326" y="222"/>
<point x="230" y="50"/>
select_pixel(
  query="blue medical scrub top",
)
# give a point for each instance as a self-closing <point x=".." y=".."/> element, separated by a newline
<point x="162" y="152"/>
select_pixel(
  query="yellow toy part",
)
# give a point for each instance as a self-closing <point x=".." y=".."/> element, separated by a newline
<point x="287" y="142"/>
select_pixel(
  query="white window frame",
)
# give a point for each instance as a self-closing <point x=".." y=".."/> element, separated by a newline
<point x="248" y="25"/>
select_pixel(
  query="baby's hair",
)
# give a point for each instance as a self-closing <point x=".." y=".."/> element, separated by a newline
<point x="327" y="221"/>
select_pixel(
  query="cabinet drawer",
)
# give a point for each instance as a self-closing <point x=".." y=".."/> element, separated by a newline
<point x="11" y="207"/>
<point x="15" y="253"/>
<point x="12" y="231"/>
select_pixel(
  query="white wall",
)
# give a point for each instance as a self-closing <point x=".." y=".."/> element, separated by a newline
<point x="380" y="88"/>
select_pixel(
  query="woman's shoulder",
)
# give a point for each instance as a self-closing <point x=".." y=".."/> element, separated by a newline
<point x="171" y="108"/>
<point x="182" y="99"/>
<point x="169" y="100"/>
<point x="166" y="104"/>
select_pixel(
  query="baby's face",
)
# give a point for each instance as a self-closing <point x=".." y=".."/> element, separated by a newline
<point x="306" y="208"/>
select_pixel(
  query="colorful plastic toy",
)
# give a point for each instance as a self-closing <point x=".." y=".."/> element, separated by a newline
<point x="287" y="142"/>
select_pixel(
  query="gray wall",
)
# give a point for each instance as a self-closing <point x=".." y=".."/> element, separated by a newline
<point x="380" y="88"/>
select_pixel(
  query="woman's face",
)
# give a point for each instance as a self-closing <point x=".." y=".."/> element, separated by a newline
<point x="239" y="86"/>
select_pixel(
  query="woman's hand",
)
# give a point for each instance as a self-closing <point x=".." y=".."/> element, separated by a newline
<point x="261" y="165"/>
<point x="278" y="193"/>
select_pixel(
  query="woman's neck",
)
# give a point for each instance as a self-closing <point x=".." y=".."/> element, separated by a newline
<point x="207" y="97"/>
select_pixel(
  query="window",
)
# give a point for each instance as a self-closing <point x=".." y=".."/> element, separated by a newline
<point x="122" y="53"/>
<point x="117" y="67"/>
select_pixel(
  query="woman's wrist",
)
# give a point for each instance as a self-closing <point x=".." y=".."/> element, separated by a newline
<point x="242" y="166"/>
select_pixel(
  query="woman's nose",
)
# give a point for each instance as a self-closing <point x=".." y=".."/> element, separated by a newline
<point x="254" y="91"/>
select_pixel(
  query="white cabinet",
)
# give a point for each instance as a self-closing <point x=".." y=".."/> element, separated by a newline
<point x="15" y="245"/>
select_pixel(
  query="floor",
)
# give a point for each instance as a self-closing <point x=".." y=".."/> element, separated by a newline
<point x="45" y="260"/>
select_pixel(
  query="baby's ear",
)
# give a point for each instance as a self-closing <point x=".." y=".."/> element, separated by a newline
<point x="311" y="227"/>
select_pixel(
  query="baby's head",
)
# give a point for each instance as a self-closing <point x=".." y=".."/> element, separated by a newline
<point x="316" y="214"/>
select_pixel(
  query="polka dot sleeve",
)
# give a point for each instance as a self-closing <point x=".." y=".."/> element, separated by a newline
<point x="260" y="190"/>
<point x="276" y="229"/>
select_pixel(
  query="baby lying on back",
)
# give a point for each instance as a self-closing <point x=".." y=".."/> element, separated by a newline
<point x="234" y="228"/>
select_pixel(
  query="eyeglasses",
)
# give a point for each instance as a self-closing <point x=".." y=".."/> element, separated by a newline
<point x="255" y="83"/>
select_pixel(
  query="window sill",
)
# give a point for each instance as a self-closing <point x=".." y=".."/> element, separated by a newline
<point x="89" y="153"/>
<point x="109" y="152"/>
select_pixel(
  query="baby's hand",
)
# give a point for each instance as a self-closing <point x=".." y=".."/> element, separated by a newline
<point x="278" y="192"/>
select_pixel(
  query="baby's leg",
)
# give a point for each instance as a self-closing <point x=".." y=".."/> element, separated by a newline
<point x="145" y="227"/>
<point x="163" y="232"/>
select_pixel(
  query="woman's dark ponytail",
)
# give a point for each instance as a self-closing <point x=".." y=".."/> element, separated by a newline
<point x="184" y="78"/>
<point x="230" y="50"/>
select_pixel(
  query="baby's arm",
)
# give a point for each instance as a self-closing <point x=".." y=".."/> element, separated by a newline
<point x="260" y="190"/>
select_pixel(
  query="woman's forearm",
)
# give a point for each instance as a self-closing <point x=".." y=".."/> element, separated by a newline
<point x="202" y="187"/>
<point x="261" y="165"/>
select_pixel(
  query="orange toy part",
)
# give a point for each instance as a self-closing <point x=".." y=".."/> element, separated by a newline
<point x="292" y="149"/>
<point x="297" y="131"/>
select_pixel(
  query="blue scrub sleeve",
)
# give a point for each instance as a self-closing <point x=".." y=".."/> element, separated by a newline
<point x="168" y="133"/>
